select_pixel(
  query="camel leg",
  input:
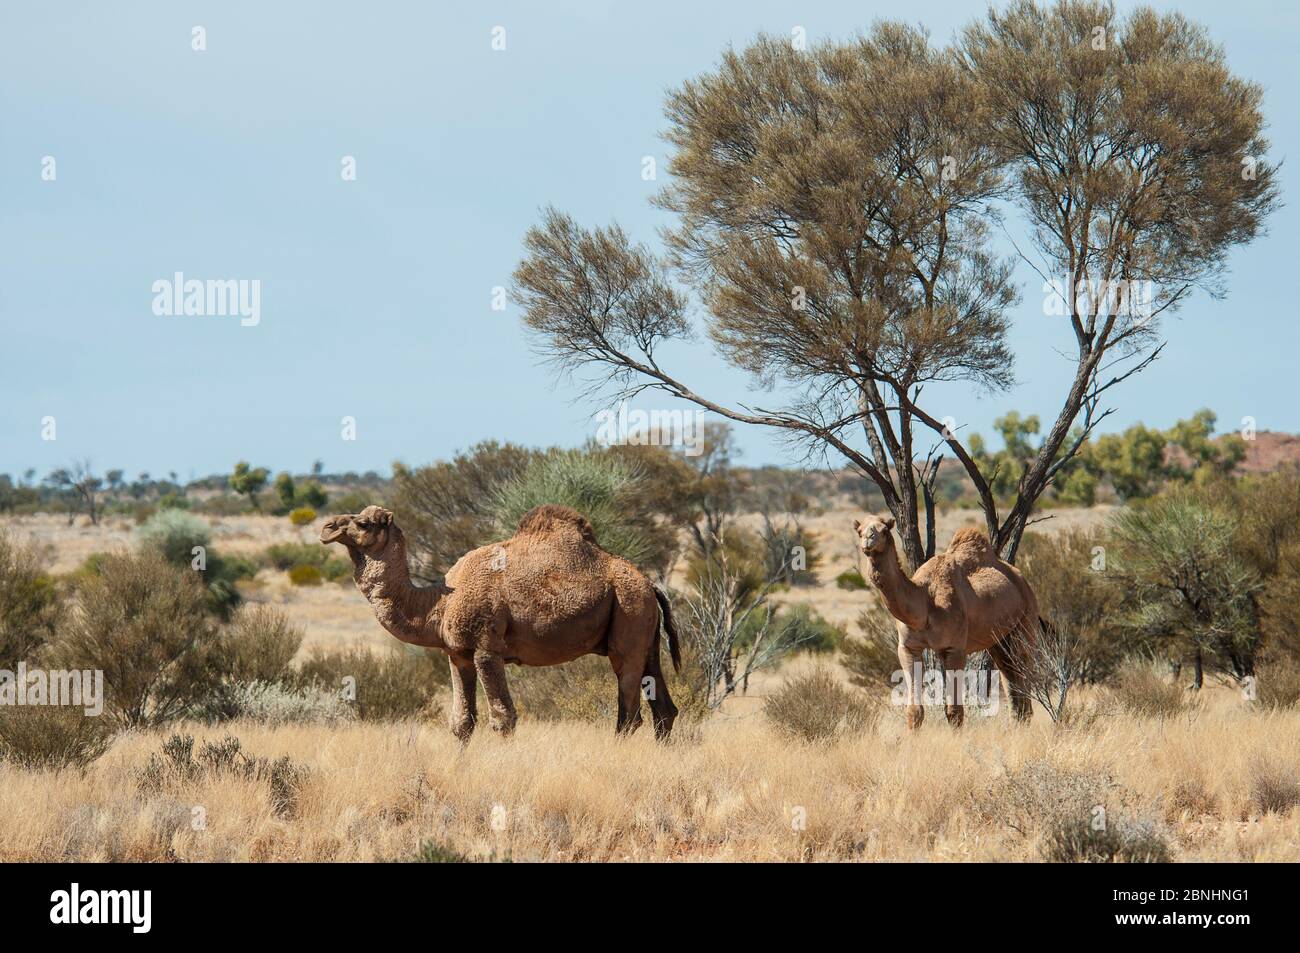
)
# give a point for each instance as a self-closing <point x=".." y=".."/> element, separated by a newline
<point x="913" y="662"/>
<point x="1013" y="674"/>
<point x="954" y="686"/>
<point x="464" y="700"/>
<point x="629" y="694"/>
<point x="662" y="710"/>
<point x="492" y="673"/>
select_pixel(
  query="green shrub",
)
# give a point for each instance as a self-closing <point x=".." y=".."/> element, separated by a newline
<point x="431" y="852"/>
<point x="302" y="516"/>
<point x="305" y="576"/>
<point x="146" y="625"/>
<point x="337" y="569"/>
<point x="30" y="611"/>
<point x="816" y="707"/>
<point x="287" y="555"/>
<point x="872" y="660"/>
<point x="51" y="736"/>
<point x="174" y="533"/>
<point x="260" y="645"/>
<point x="851" y="580"/>
<point x="381" y="685"/>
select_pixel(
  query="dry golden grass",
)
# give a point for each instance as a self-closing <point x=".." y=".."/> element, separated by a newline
<point x="732" y="789"/>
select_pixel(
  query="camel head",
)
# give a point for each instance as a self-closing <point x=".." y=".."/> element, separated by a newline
<point x="367" y="531"/>
<point x="873" y="533"/>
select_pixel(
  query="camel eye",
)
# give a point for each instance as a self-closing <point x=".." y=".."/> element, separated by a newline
<point x="362" y="525"/>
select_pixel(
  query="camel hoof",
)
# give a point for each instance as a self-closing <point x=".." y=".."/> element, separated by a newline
<point x="956" y="715"/>
<point x="915" y="715"/>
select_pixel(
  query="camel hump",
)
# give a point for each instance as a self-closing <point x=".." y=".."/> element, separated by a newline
<point x="970" y="549"/>
<point x="551" y="518"/>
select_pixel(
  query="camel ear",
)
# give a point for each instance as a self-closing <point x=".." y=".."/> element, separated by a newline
<point x="857" y="525"/>
<point x="889" y="522"/>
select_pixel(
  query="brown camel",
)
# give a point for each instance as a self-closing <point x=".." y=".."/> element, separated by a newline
<point x="959" y="602"/>
<point x="547" y="595"/>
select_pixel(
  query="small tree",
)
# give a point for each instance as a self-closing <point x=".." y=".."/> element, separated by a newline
<point x="145" y="624"/>
<point x="248" y="481"/>
<point x="81" y="487"/>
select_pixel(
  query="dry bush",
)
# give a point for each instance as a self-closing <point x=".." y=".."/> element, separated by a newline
<point x="272" y="703"/>
<point x="1078" y="841"/>
<point x="1274" y="788"/>
<point x="176" y="765"/>
<point x="260" y="645"/>
<point x="146" y="625"/>
<point x="390" y="685"/>
<point x="1040" y="794"/>
<point x="1277" y="684"/>
<point x="1140" y="689"/>
<point x="51" y="736"/>
<point x="30" y="611"/>
<point x="816" y="707"/>
<point x="581" y="690"/>
<point x="305" y="576"/>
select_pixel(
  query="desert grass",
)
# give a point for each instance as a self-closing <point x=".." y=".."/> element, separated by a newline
<point x="1216" y="782"/>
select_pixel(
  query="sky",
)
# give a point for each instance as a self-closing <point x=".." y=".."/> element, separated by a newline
<point x="376" y="292"/>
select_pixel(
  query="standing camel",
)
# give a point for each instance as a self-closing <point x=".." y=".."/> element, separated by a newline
<point x="958" y="603"/>
<point x="547" y="595"/>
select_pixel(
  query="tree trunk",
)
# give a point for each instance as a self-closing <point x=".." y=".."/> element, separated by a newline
<point x="1199" y="679"/>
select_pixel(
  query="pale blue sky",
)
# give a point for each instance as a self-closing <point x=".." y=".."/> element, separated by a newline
<point x="376" y="294"/>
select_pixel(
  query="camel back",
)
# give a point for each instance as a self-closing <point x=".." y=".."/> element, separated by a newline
<point x="550" y="517"/>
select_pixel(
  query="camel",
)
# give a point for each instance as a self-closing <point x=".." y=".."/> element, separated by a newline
<point x="959" y="602"/>
<point x="547" y="595"/>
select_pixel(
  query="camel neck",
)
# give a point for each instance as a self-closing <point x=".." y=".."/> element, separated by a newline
<point x="405" y="610"/>
<point x="905" y="600"/>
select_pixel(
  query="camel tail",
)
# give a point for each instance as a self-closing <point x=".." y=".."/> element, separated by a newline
<point x="666" y="615"/>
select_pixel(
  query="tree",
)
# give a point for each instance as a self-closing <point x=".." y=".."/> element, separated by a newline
<point x="80" y="486"/>
<point x="832" y="215"/>
<point x="247" y="481"/>
<point x="1187" y="581"/>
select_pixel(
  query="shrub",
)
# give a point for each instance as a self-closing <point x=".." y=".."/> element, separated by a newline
<point x="260" y="645"/>
<point x="851" y="579"/>
<point x="815" y="707"/>
<point x="431" y="852"/>
<point x="174" y="533"/>
<point x="1077" y="840"/>
<point x="287" y="555"/>
<point x="176" y="764"/>
<point x="1277" y="684"/>
<point x="581" y="690"/>
<point x="1274" y="788"/>
<point x="146" y="625"/>
<point x="1038" y="793"/>
<point x="305" y="576"/>
<point x="1141" y="690"/>
<point x="872" y="660"/>
<point x="30" y="611"/>
<point x="387" y="685"/>
<point x="603" y="487"/>
<point x="51" y="736"/>
<point x="302" y="516"/>
<point x="272" y="703"/>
